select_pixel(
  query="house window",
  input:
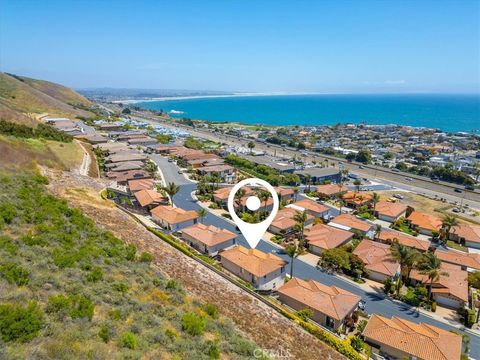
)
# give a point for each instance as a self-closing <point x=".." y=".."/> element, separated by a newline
<point x="330" y="323"/>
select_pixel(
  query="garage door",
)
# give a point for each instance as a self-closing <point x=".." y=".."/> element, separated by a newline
<point x="447" y="302"/>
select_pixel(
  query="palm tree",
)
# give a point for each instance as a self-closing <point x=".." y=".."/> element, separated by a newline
<point x="341" y="203"/>
<point x="202" y="213"/>
<point x="238" y="197"/>
<point x="448" y="222"/>
<point x="171" y="189"/>
<point x="264" y="195"/>
<point x="430" y="265"/>
<point x="251" y="145"/>
<point x="308" y="180"/>
<point x="378" y="230"/>
<point x="215" y="180"/>
<point x="301" y="219"/>
<point x="406" y="257"/>
<point x="295" y="193"/>
<point x="375" y="200"/>
<point x="294" y="250"/>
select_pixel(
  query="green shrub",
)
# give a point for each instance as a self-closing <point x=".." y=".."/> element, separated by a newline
<point x="96" y="274"/>
<point x="305" y="314"/>
<point x="193" y="324"/>
<point x="15" y="274"/>
<point x="8" y="245"/>
<point x="18" y="323"/>
<point x="213" y="350"/>
<point x="357" y="343"/>
<point x="8" y="212"/>
<point x="129" y="340"/>
<point x="121" y="287"/>
<point x="211" y="310"/>
<point x="130" y="250"/>
<point x="434" y="306"/>
<point x="361" y="325"/>
<point x="33" y="240"/>
<point x="76" y="306"/>
<point x="106" y="333"/>
<point x="64" y="259"/>
<point x="146" y="257"/>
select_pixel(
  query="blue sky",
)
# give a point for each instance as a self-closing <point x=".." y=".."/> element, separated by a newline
<point x="293" y="46"/>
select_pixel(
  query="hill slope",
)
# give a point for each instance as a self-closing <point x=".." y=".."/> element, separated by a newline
<point x="22" y="99"/>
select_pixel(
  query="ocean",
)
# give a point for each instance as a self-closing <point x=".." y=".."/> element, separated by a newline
<point x="446" y="112"/>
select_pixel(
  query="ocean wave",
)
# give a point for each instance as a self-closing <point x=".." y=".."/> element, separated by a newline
<point x="176" y="112"/>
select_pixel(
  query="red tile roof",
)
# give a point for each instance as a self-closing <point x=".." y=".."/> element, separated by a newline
<point x="377" y="257"/>
<point x="327" y="237"/>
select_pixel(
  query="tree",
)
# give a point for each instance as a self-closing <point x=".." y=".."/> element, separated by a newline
<point x="126" y="111"/>
<point x="341" y="204"/>
<point x="251" y="145"/>
<point x="238" y="198"/>
<point x="357" y="184"/>
<point x="364" y="156"/>
<point x="430" y="265"/>
<point x="171" y="189"/>
<point x="448" y="222"/>
<point x="335" y="259"/>
<point x="202" y="213"/>
<point x="295" y="193"/>
<point x="301" y="218"/>
<point x="308" y="181"/>
<point x="375" y="200"/>
<point x="294" y="250"/>
<point x="406" y="257"/>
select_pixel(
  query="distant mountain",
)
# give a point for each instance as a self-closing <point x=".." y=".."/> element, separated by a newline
<point x="22" y="99"/>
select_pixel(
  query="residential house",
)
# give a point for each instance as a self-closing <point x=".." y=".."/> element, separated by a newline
<point x="126" y="156"/>
<point x="323" y="237"/>
<point x="143" y="141"/>
<point x="425" y="224"/>
<point x="148" y="199"/>
<point x="353" y="223"/>
<point x="330" y="305"/>
<point x="286" y="195"/>
<point x="354" y="200"/>
<point x="123" y="177"/>
<point x="331" y="191"/>
<point x="466" y="234"/>
<point x="173" y="219"/>
<point x="265" y="271"/>
<point x="284" y="223"/>
<point x="398" y="338"/>
<point x="117" y="126"/>
<point x="208" y="239"/>
<point x="467" y="261"/>
<point x="377" y="258"/>
<point x="390" y="211"/>
<point x="450" y="291"/>
<point x="125" y="166"/>
<point x="388" y="236"/>
<point x="311" y="207"/>
<point x="225" y="172"/>
<point x="140" y="184"/>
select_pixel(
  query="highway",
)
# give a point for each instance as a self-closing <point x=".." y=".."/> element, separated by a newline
<point x="417" y="184"/>
<point x="376" y="302"/>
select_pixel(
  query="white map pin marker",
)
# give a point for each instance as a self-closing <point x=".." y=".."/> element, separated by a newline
<point x="253" y="232"/>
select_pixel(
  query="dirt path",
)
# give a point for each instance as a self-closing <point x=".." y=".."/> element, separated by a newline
<point x="89" y="166"/>
<point x="255" y="319"/>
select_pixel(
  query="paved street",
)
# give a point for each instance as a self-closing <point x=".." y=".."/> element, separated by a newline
<point x="376" y="302"/>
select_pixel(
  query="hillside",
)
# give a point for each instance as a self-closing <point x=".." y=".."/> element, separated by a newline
<point x="72" y="290"/>
<point x="22" y="99"/>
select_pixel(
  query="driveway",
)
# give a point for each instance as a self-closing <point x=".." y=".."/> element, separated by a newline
<point x="376" y="302"/>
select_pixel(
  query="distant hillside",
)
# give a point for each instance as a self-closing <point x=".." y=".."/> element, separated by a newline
<point x="22" y="98"/>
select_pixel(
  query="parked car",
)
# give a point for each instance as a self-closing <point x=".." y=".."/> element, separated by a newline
<point x="362" y="305"/>
<point x="398" y="196"/>
<point x="457" y="190"/>
<point x="408" y="179"/>
<point x="469" y="187"/>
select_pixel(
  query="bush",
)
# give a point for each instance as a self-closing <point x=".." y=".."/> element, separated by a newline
<point x="8" y="245"/>
<point x="193" y="324"/>
<point x="211" y="310"/>
<point x="76" y="306"/>
<point x="129" y="340"/>
<point x="106" y="333"/>
<point x="18" y="323"/>
<point x="95" y="275"/>
<point x="434" y="306"/>
<point x="121" y="287"/>
<point x="213" y="351"/>
<point x="361" y="325"/>
<point x="305" y="314"/>
<point x="473" y="279"/>
<point x="8" y="212"/>
<point x="15" y="274"/>
<point x="146" y="257"/>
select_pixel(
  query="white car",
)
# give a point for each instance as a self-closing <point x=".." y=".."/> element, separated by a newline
<point x="398" y="196"/>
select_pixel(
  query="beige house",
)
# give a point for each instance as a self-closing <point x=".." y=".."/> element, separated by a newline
<point x="378" y="260"/>
<point x="173" y="219"/>
<point x="323" y="237"/>
<point x="389" y="211"/>
<point x="208" y="239"/>
<point x="466" y="234"/>
<point x="264" y="271"/>
<point x="330" y="304"/>
<point x="284" y="222"/>
<point x="402" y="339"/>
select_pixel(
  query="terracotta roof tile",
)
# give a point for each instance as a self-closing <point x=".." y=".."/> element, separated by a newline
<point x="173" y="215"/>
<point x="377" y="257"/>
<point x="422" y="340"/>
<point x="389" y="235"/>
<point x="390" y="209"/>
<point x="209" y="235"/>
<point x="329" y="300"/>
<point x="327" y="237"/>
<point x="254" y="261"/>
<point x="467" y="231"/>
<point x="147" y="197"/>
<point x="285" y="218"/>
<point x="425" y="221"/>
<point x="351" y="221"/>
<point x="311" y="205"/>
<point x="331" y="189"/>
